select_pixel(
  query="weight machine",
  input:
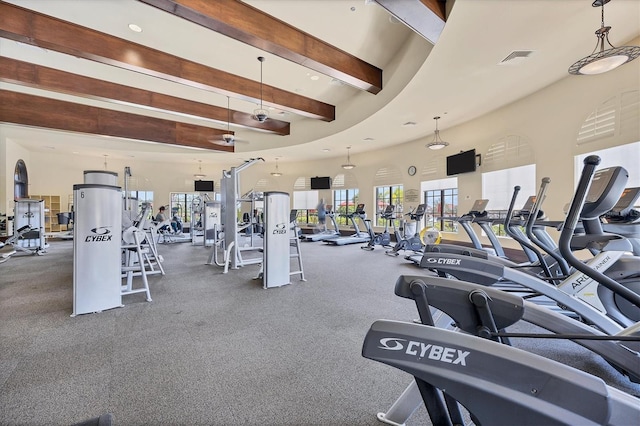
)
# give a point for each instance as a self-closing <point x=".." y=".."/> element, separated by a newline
<point x="29" y="235"/>
<point x="231" y="202"/>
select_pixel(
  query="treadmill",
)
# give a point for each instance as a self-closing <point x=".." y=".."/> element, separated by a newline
<point x="359" y="236"/>
<point x="328" y="234"/>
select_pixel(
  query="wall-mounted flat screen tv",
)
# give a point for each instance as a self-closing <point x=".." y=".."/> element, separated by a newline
<point x="463" y="162"/>
<point x="321" y="182"/>
<point x="203" y="186"/>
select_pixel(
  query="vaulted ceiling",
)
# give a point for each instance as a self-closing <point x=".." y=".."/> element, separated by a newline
<point x="75" y="78"/>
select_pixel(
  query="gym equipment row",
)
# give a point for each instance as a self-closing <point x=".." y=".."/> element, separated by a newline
<point x="412" y="240"/>
<point x="358" y="236"/>
<point x="600" y="303"/>
<point x="498" y="384"/>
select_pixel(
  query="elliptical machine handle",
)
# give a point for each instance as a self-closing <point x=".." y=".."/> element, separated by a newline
<point x="580" y="196"/>
<point x="570" y="224"/>
<point x="533" y="216"/>
<point x="542" y="193"/>
<point x="507" y="220"/>
<point x="523" y="241"/>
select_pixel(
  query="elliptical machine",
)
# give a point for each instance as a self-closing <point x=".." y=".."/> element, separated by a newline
<point x="383" y="239"/>
<point x="595" y="300"/>
<point x="413" y="242"/>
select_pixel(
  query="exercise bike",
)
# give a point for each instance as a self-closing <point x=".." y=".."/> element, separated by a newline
<point x="413" y="242"/>
<point x="383" y="239"/>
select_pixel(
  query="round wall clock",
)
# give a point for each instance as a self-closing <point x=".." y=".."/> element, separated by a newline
<point x="412" y="170"/>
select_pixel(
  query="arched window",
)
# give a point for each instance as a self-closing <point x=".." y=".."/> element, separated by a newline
<point x="508" y="151"/>
<point x="616" y="116"/>
<point x="20" y="181"/>
<point x="302" y="184"/>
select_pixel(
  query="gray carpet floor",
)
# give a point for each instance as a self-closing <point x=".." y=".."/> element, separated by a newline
<point x="212" y="348"/>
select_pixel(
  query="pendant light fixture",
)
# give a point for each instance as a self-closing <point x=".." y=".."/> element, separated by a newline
<point x="348" y="165"/>
<point x="261" y="114"/>
<point x="604" y="60"/>
<point x="228" y="137"/>
<point x="199" y="175"/>
<point x="437" y="142"/>
<point x="276" y="172"/>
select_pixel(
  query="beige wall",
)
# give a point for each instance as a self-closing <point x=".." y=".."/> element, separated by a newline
<point x="549" y="119"/>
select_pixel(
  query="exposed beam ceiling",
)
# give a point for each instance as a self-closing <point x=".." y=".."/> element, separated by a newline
<point x="24" y="73"/>
<point x="30" y="110"/>
<point x="30" y="27"/>
<point x="249" y="25"/>
<point x="459" y="76"/>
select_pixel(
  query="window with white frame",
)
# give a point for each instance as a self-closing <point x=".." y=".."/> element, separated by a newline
<point x="441" y="199"/>
<point x="142" y="197"/>
<point x="623" y="155"/>
<point x="182" y="205"/>
<point x="386" y="195"/>
<point x="498" y="187"/>
<point x="344" y="203"/>
<point x="306" y="202"/>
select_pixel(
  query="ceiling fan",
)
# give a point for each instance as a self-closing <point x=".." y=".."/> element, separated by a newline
<point x="228" y="139"/>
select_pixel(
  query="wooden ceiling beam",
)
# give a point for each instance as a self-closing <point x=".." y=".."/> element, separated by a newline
<point x="438" y="7"/>
<point x="425" y="17"/>
<point x="27" y="26"/>
<point x="38" y="111"/>
<point x="249" y="25"/>
<point x="25" y="73"/>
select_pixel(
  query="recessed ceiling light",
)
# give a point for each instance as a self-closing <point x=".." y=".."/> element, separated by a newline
<point x="135" y="28"/>
<point x="368" y="139"/>
<point x="394" y="20"/>
<point x="409" y="124"/>
<point x="314" y="78"/>
<point x="326" y="150"/>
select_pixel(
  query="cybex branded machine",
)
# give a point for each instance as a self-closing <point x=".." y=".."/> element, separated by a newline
<point x="96" y="247"/>
<point x="276" y="240"/>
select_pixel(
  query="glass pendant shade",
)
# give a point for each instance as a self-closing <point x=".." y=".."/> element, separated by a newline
<point x="603" y="60"/>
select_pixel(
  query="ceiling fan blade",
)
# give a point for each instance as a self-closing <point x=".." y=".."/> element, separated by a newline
<point x="227" y="142"/>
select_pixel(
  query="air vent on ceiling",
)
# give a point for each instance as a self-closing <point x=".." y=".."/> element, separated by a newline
<point x="516" y="57"/>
